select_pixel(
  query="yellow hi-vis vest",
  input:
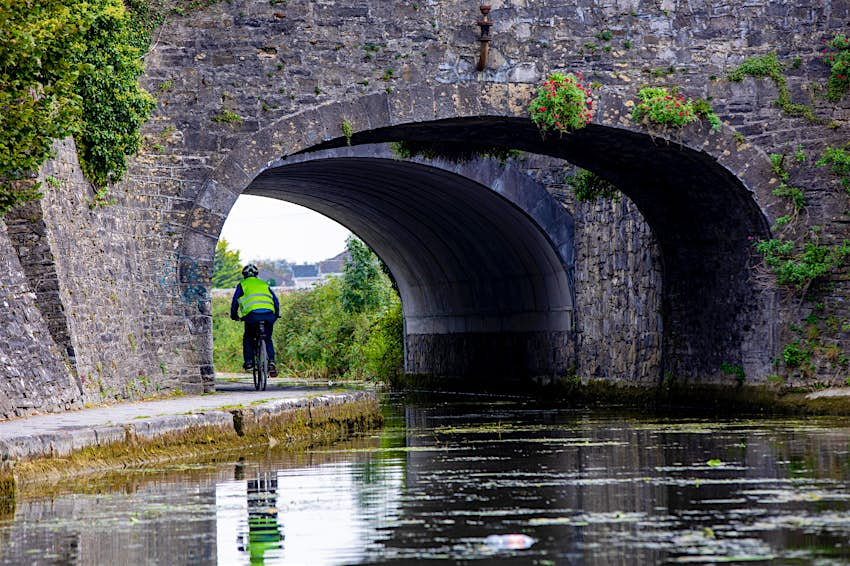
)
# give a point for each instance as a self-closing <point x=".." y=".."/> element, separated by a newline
<point x="255" y="295"/>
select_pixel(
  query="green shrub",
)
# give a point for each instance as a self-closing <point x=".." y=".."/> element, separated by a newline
<point x="563" y="103"/>
<point x="659" y="105"/>
<point x="227" y="337"/>
<point x="839" y="160"/>
<point x="734" y="370"/>
<point x="589" y="187"/>
<point x="69" y="68"/>
<point x="797" y="268"/>
<point x="384" y="351"/>
<point x="794" y="355"/>
<point x="839" y="62"/>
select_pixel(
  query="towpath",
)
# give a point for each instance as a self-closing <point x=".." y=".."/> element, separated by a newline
<point x="58" y="433"/>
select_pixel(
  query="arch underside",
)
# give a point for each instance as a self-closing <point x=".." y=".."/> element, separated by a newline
<point x="484" y="288"/>
<point x="703" y="217"/>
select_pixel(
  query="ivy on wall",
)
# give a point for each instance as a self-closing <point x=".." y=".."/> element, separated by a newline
<point x="590" y="187"/>
<point x="768" y="66"/>
<point x="68" y="68"/>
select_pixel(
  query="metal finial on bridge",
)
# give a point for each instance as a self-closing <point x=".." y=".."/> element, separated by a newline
<point x="485" y="23"/>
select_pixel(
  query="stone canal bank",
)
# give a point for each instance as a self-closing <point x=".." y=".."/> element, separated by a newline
<point x="47" y="448"/>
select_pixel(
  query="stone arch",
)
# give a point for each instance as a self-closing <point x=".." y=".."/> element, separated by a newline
<point x="481" y="253"/>
<point x="704" y="194"/>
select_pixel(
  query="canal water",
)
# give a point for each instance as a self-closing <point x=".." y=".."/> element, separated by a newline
<point x="474" y="481"/>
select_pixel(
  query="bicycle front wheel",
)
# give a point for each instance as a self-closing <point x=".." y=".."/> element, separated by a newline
<point x="261" y="369"/>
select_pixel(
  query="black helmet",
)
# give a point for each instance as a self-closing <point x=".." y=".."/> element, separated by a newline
<point x="250" y="270"/>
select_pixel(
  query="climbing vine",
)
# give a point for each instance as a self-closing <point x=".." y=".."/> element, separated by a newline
<point x="839" y="161"/>
<point x="768" y="66"/>
<point x="589" y="187"/>
<point x="794" y="194"/>
<point x="795" y="266"/>
<point x="67" y="68"/>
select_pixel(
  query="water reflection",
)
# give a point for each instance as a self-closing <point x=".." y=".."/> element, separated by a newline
<point x="331" y="513"/>
<point x="492" y="482"/>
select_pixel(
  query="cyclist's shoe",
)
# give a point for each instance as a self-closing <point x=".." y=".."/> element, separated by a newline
<point x="272" y="370"/>
<point x="248" y="366"/>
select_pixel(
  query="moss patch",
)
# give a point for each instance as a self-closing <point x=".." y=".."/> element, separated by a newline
<point x="7" y="492"/>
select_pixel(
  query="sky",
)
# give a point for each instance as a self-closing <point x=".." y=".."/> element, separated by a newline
<point x="265" y="228"/>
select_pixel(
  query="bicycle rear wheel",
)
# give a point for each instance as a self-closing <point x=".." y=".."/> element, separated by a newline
<point x="256" y="371"/>
<point x="261" y="367"/>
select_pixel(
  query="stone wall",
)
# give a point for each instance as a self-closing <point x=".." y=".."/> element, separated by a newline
<point x="267" y="64"/>
<point x="99" y="279"/>
<point x="618" y="282"/>
<point x="33" y="376"/>
<point x="132" y="276"/>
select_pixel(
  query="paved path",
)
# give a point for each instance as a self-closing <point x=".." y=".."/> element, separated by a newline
<point x="32" y="435"/>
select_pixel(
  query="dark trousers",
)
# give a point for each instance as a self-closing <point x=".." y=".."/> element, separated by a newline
<point x="252" y="320"/>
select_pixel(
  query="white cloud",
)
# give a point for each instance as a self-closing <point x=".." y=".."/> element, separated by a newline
<point x="265" y="228"/>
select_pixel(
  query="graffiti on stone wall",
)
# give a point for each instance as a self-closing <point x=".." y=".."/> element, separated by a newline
<point x="182" y="278"/>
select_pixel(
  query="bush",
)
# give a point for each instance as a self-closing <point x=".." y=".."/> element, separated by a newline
<point x="798" y="268"/>
<point x="839" y="62"/>
<point x="839" y="160"/>
<point x="588" y="187"/>
<point x="384" y="350"/>
<point x="227" y="337"/>
<point x="660" y="106"/>
<point x="345" y="328"/>
<point x="69" y="68"/>
<point x="562" y="104"/>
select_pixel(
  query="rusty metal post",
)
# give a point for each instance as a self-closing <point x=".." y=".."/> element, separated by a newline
<point x="485" y="23"/>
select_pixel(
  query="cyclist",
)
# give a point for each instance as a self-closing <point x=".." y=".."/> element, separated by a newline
<point x="254" y="301"/>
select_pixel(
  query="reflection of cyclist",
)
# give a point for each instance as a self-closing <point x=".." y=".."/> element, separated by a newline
<point x="254" y="301"/>
<point x="264" y="531"/>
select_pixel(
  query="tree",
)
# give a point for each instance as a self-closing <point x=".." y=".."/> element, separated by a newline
<point x="227" y="267"/>
<point x="68" y="67"/>
<point x="360" y="278"/>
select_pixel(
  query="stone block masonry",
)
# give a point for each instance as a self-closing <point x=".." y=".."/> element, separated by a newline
<point x="33" y="374"/>
<point x="131" y="278"/>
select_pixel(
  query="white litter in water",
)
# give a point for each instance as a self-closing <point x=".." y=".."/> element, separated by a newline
<point x="509" y="542"/>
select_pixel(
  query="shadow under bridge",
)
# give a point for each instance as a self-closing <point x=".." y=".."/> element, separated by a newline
<point x="481" y="254"/>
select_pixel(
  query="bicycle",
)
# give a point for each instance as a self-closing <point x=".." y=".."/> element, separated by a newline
<point x="261" y="358"/>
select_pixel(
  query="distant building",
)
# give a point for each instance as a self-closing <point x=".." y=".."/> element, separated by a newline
<point x="305" y="275"/>
<point x="276" y="277"/>
<point x="334" y="265"/>
<point x="309" y="274"/>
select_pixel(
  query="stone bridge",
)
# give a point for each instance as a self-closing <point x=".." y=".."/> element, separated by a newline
<point x="499" y="268"/>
